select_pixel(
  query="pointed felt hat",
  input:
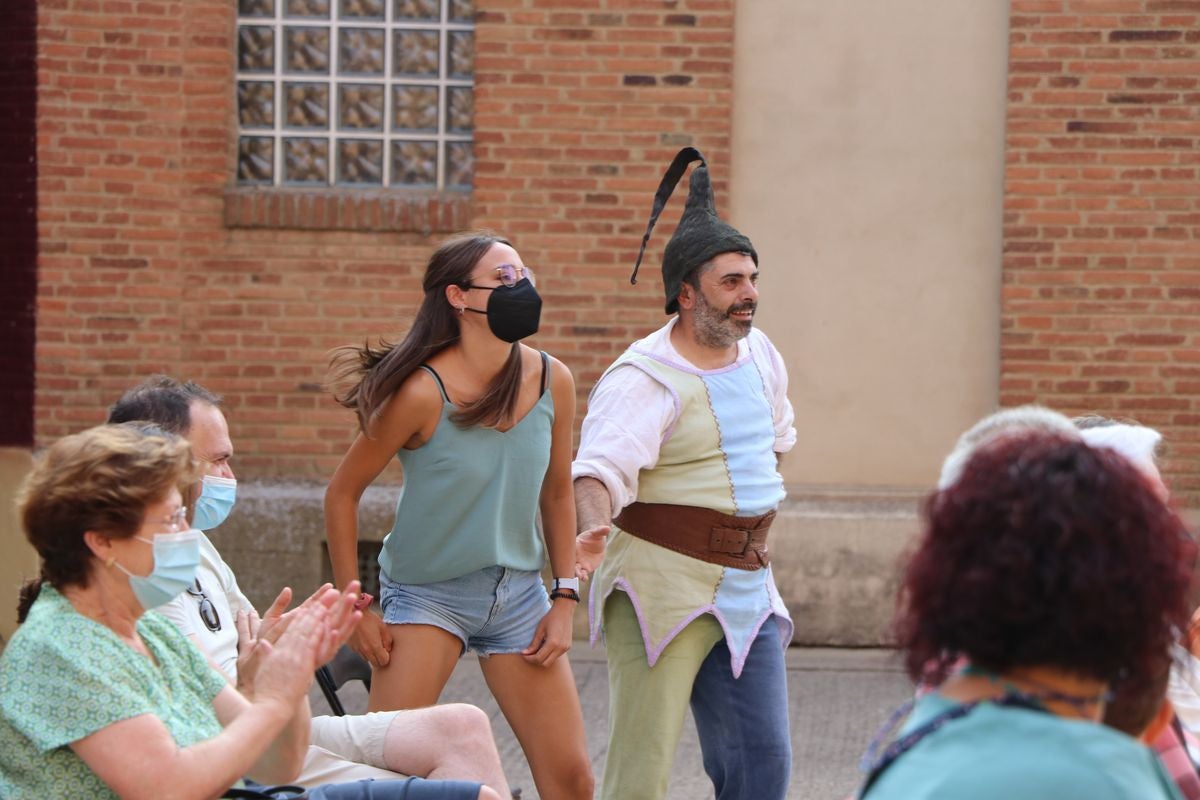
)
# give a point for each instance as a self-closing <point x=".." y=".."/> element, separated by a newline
<point x="701" y="234"/>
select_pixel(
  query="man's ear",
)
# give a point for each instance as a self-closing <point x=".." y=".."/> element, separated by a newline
<point x="687" y="296"/>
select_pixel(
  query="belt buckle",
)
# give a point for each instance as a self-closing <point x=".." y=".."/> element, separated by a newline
<point x="732" y="541"/>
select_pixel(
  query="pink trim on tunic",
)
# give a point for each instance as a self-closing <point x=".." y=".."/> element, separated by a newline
<point x="737" y="660"/>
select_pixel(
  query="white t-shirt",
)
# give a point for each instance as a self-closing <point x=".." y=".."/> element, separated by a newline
<point x="219" y="584"/>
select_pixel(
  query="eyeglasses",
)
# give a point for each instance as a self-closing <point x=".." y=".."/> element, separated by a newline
<point x="208" y="612"/>
<point x="507" y="274"/>
<point x="177" y="521"/>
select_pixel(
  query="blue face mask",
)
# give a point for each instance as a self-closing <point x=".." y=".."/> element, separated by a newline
<point x="176" y="557"/>
<point x="215" y="502"/>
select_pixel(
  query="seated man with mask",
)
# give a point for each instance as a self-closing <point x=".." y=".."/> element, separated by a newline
<point x="449" y="742"/>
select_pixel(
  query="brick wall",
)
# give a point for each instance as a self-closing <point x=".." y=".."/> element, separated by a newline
<point x="1101" y="302"/>
<point x="579" y="106"/>
<point x="110" y="119"/>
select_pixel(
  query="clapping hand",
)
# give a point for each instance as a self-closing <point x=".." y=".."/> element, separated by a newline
<point x="282" y="671"/>
<point x="275" y="621"/>
<point x="329" y="617"/>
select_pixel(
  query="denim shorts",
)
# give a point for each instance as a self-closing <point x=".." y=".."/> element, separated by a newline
<point x="492" y="611"/>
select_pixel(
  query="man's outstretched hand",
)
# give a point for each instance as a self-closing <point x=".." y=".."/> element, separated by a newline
<point x="589" y="550"/>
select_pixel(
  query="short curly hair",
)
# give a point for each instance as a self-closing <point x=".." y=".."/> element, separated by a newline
<point x="1046" y="552"/>
<point x="100" y="480"/>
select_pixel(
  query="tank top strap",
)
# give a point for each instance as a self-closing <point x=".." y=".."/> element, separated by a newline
<point x="545" y="372"/>
<point x="437" y="379"/>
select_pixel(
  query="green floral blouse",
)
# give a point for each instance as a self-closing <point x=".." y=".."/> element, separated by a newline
<point x="64" y="677"/>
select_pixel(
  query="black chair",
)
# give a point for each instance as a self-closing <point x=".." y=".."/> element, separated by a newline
<point x="346" y="665"/>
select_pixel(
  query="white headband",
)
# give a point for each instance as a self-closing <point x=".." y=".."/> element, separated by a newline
<point x="1135" y="442"/>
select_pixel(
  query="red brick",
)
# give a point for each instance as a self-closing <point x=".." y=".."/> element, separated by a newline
<point x="1140" y="298"/>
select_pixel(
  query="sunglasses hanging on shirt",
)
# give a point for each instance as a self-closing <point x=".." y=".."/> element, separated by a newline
<point x="208" y="612"/>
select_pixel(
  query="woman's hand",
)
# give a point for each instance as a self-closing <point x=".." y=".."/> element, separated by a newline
<point x="589" y="550"/>
<point x="274" y="622"/>
<point x="372" y="640"/>
<point x="553" y="635"/>
<point x="285" y="669"/>
<point x="251" y="629"/>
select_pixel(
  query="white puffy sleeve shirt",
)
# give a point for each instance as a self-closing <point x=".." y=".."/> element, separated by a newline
<point x="629" y="414"/>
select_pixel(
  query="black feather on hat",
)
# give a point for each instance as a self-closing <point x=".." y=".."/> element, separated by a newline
<point x="701" y="234"/>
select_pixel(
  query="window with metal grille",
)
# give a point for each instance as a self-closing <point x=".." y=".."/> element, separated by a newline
<point x="356" y="93"/>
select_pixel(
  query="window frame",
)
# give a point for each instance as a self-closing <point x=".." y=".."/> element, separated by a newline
<point x="335" y="81"/>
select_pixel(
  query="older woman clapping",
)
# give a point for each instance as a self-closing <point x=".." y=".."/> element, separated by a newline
<point x="99" y="698"/>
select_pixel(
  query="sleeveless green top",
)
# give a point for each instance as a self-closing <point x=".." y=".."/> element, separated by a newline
<point x="470" y="497"/>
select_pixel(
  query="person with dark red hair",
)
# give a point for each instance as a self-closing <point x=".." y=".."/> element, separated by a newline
<point x="1047" y="574"/>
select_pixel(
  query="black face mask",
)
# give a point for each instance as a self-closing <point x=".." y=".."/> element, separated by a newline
<point x="513" y="312"/>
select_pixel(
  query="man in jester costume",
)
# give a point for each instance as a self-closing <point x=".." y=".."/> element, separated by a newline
<point x="676" y="486"/>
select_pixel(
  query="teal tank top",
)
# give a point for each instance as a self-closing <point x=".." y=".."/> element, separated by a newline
<point x="470" y="497"/>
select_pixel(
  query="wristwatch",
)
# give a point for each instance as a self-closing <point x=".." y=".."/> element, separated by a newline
<point x="565" y="583"/>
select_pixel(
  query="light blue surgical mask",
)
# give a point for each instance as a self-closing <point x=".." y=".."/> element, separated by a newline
<point x="215" y="502"/>
<point x="176" y="557"/>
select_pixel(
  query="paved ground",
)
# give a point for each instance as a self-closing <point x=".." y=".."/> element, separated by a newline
<point x="838" y="698"/>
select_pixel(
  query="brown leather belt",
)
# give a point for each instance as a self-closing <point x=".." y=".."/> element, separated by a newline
<point x="701" y="533"/>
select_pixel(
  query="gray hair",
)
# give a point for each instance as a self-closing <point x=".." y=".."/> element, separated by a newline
<point x="1021" y="419"/>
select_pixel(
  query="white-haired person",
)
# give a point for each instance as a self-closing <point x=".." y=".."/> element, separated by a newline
<point x="1027" y="418"/>
<point x="1047" y="573"/>
<point x="1137" y="707"/>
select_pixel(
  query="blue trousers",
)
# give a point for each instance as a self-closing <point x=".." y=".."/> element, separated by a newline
<point x="402" y="789"/>
<point x="743" y="724"/>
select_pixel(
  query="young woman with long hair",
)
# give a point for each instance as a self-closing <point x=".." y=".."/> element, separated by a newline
<point x="482" y="426"/>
